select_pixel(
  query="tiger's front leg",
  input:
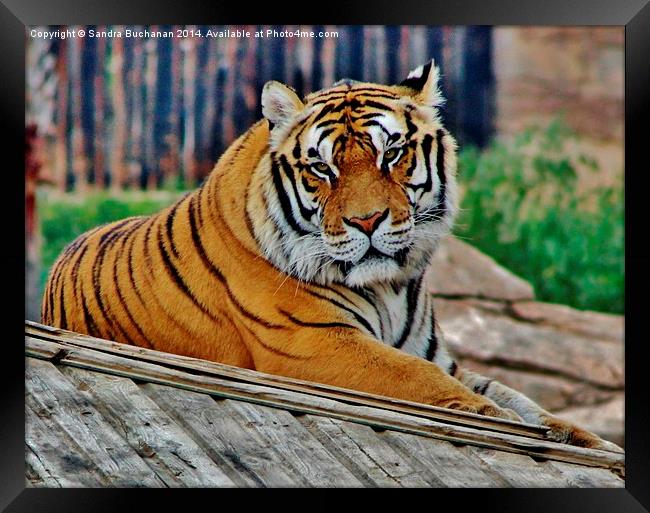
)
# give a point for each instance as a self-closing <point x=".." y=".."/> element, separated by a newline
<point x="559" y="429"/>
<point x="348" y="358"/>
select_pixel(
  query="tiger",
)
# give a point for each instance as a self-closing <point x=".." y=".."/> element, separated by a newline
<point x="302" y="254"/>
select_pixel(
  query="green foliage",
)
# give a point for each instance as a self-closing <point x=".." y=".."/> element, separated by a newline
<point x="64" y="217"/>
<point x="521" y="206"/>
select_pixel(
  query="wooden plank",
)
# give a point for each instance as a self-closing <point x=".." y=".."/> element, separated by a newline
<point x="442" y="462"/>
<point x="297" y="447"/>
<point x="239" y="450"/>
<point x="165" y="447"/>
<point x="72" y="411"/>
<point x="36" y="474"/>
<point x="45" y="349"/>
<point x="517" y="469"/>
<point x="86" y="358"/>
<point x="587" y="477"/>
<point x="370" y="459"/>
<point x="56" y="460"/>
<point x="213" y="368"/>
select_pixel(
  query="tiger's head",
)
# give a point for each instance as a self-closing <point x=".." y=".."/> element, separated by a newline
<point x="363" y="177"/>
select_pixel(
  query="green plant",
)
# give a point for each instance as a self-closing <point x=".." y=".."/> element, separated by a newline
<point x="64" y="217"/>
<point x="521" y="206"/>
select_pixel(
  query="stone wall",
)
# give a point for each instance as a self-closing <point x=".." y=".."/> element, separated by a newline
<point x="569" y="361"/>
<point x="543" y="71"/>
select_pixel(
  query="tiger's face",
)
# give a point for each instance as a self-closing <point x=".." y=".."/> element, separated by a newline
<point x="364" y="175"/>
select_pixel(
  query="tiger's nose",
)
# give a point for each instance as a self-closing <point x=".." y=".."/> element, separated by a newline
<point x="369" y="223"/>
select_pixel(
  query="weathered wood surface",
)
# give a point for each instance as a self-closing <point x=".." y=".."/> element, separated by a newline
<point x="587" y="477"/>
<point x="518" y="470"/>
<point x="67" y="338"/>
<point x="246" y="457"/>
<point x="70" y="412"/>
<point x="368" y="457"/>
<point x="90" y="424"/>
<point x="54" y="461"/>
<point x="294" y="401"/>
<point x="169" y="451"/>
<point x="296" y="446"/>
<point x="443" y="462"/>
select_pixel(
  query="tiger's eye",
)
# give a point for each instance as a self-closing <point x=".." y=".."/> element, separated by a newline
<point x="321" y="166"/>
<point x="390" y="154"/>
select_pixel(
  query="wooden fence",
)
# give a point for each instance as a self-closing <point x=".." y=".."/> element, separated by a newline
<point x="142" y="112"/>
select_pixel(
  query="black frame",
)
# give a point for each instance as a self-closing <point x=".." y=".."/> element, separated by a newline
<point x="633" y="14"/>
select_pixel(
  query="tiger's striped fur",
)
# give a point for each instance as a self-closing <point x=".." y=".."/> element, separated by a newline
<point x="302" y="254"/>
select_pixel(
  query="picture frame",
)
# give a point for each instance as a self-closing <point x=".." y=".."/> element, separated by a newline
<point x="15" y="16"/>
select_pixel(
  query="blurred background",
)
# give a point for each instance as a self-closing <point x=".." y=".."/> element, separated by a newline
<point x="123" y="126"/>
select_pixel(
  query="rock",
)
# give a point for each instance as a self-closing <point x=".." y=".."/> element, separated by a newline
<point x="459" y="270"/>
<point x="567" y="360"/>
<point x="484" y="336"/>
<point x="606" y="420"/>
<point x="590" y="324"/>
<point x="550" y="392"/>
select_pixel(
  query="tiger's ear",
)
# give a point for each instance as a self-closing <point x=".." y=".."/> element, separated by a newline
<point x="423" y="80"/>
<point x="280" y="103"/>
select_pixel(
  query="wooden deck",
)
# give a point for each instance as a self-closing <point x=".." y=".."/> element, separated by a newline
<point x="102" y="414"/>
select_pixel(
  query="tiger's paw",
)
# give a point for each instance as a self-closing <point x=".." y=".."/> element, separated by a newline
<point x="567" y="433"/>
<point x="487" y="409"/>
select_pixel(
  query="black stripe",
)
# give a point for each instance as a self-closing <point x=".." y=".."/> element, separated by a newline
<point x="199" y="202"/>
<point x="372" y="122"/>
<point x="169" y="224"/>
<point x="57" y="272"/>
<point x="324" y="134"/>
<point x="75" y="269"/>
<point x="481" y="388"/>
<point x="119" y="291"/>
<point x="369" y="115"/>
<point x="324" y="112"/>
<point x="453" y="368"/>
<point x="296" y="148"/>
<point x="440" y="166"/>
<point x="432" y="342"/>
<point x="214" y="270"/>
<point x="355" y="290"/>
<point x="412" y="294"/>
<point x="332" y="97"/>
<point x="387" y="96"/>
<point x="417" y="83"/>
<point x="63" y="320"/>
<point x="91" y="327"/>
<point x="285" y="202"/>
<point x="178" y="279"/>
<point x="305" y="212"/>
<point x="130" y="269"/>
<point x="358" y="317"/>
<point x="308" y="187"/>
<point x="377" y="105"/>
<point x="109" y="321"/>
<point x="363" y="91"/>
<point x="247" y="217"/>
<point x="113" y="230"/>
<point x="341" y="139"/>
<point x="147" y="253"/>
<point x="96" y="270"/>
<point x="309" y="324"/>
<point x="274" y="350"/>
<point x="411" y="128"/>
<point x="426" y="150"/>
<point x="329" y="122"/>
